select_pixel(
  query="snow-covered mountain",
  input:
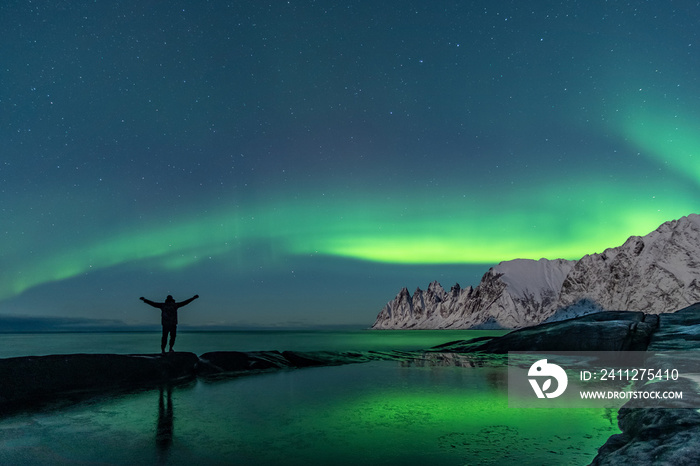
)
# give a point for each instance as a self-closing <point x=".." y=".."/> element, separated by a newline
<point x="659" y="272"/>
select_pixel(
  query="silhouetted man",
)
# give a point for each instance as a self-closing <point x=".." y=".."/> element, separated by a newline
<point x="168" y="317"/>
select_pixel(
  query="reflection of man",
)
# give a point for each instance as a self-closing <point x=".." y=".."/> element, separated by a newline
<point x="164" y="430"/>
<point x="168" y="317"/>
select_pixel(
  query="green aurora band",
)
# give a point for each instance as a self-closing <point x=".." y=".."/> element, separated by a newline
<point x="673" y="141"/>
<point x="565" y="220"/>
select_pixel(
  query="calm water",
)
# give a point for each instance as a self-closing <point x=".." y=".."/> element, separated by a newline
<point x="384" y="413"/>
<point x="38" y="344"/>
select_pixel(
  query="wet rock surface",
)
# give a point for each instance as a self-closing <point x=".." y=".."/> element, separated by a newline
<point x="32" y="381"/>
<point x="663" y="435"/>
<point x="653" y="436"/>
<point x="26" y="381"/>
<point x="235" y="363"/>
<point x="604" y="331"/>
<point x="679" y="331"/>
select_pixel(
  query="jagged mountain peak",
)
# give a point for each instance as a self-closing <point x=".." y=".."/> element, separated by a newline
<point x="435" y="286"/>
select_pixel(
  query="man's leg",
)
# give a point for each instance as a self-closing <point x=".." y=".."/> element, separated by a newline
<point x="164" y="339"/>
<point x="173" y="334"/>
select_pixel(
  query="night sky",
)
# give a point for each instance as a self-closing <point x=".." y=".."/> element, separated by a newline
<point x="298" y="162"/>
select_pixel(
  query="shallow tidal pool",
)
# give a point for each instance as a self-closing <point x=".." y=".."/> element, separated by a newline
<point x="380" y="413"/>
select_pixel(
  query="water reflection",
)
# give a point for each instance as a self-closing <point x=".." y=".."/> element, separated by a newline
<point x="495" y="373"/>
<point x="396" y="415"/>
<point x="456" y="360"/>
<point x="164" y="429"/>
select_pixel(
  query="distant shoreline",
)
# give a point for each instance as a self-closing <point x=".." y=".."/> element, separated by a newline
<point x="43" y="324"/>
<point x="185" y="329"/>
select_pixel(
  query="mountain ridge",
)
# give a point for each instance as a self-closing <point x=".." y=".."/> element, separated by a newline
<point x="655" y="273"/>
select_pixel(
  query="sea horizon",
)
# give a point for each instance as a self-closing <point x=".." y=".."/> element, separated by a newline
<point x="14" y="323"/>
<point x="198" y="341"/>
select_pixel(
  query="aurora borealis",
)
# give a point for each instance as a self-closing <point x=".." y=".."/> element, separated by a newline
<point x="298" y="162"/>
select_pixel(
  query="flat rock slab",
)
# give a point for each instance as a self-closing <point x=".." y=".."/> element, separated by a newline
<point x="236" y="362"/>
<point x="30" y="381"/>
<point x="33" y="379"/>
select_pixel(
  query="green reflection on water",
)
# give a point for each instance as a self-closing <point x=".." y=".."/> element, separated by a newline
<point x="375" y="413"/>
<point x="405" y="415"/>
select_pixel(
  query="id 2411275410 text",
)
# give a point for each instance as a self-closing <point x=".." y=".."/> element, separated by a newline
<point x="630" y="374"/>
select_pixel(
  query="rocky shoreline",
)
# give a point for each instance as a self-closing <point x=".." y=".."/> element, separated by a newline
<point x="655" y="435"/>
<point x="648" y="435"/>
<point x="35" y="380"/>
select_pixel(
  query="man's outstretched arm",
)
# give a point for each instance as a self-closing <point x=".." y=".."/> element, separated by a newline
<point x="187" y="301"/>
<point x="148" y="301"/>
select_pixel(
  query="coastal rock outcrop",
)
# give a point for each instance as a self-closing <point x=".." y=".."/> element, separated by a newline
<point x="35" y="379"/>
<point x="32" y="381"/>
<point x="663" y="435"/>
<point x="653" y="436"/>
<point x="603" y="331"/>
<point x="236" y="362"/>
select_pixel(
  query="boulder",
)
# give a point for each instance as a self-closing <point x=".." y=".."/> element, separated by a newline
<point x="219" y="362"/>
<point x="654" y="435"/>
<point x="663" y="435"/>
